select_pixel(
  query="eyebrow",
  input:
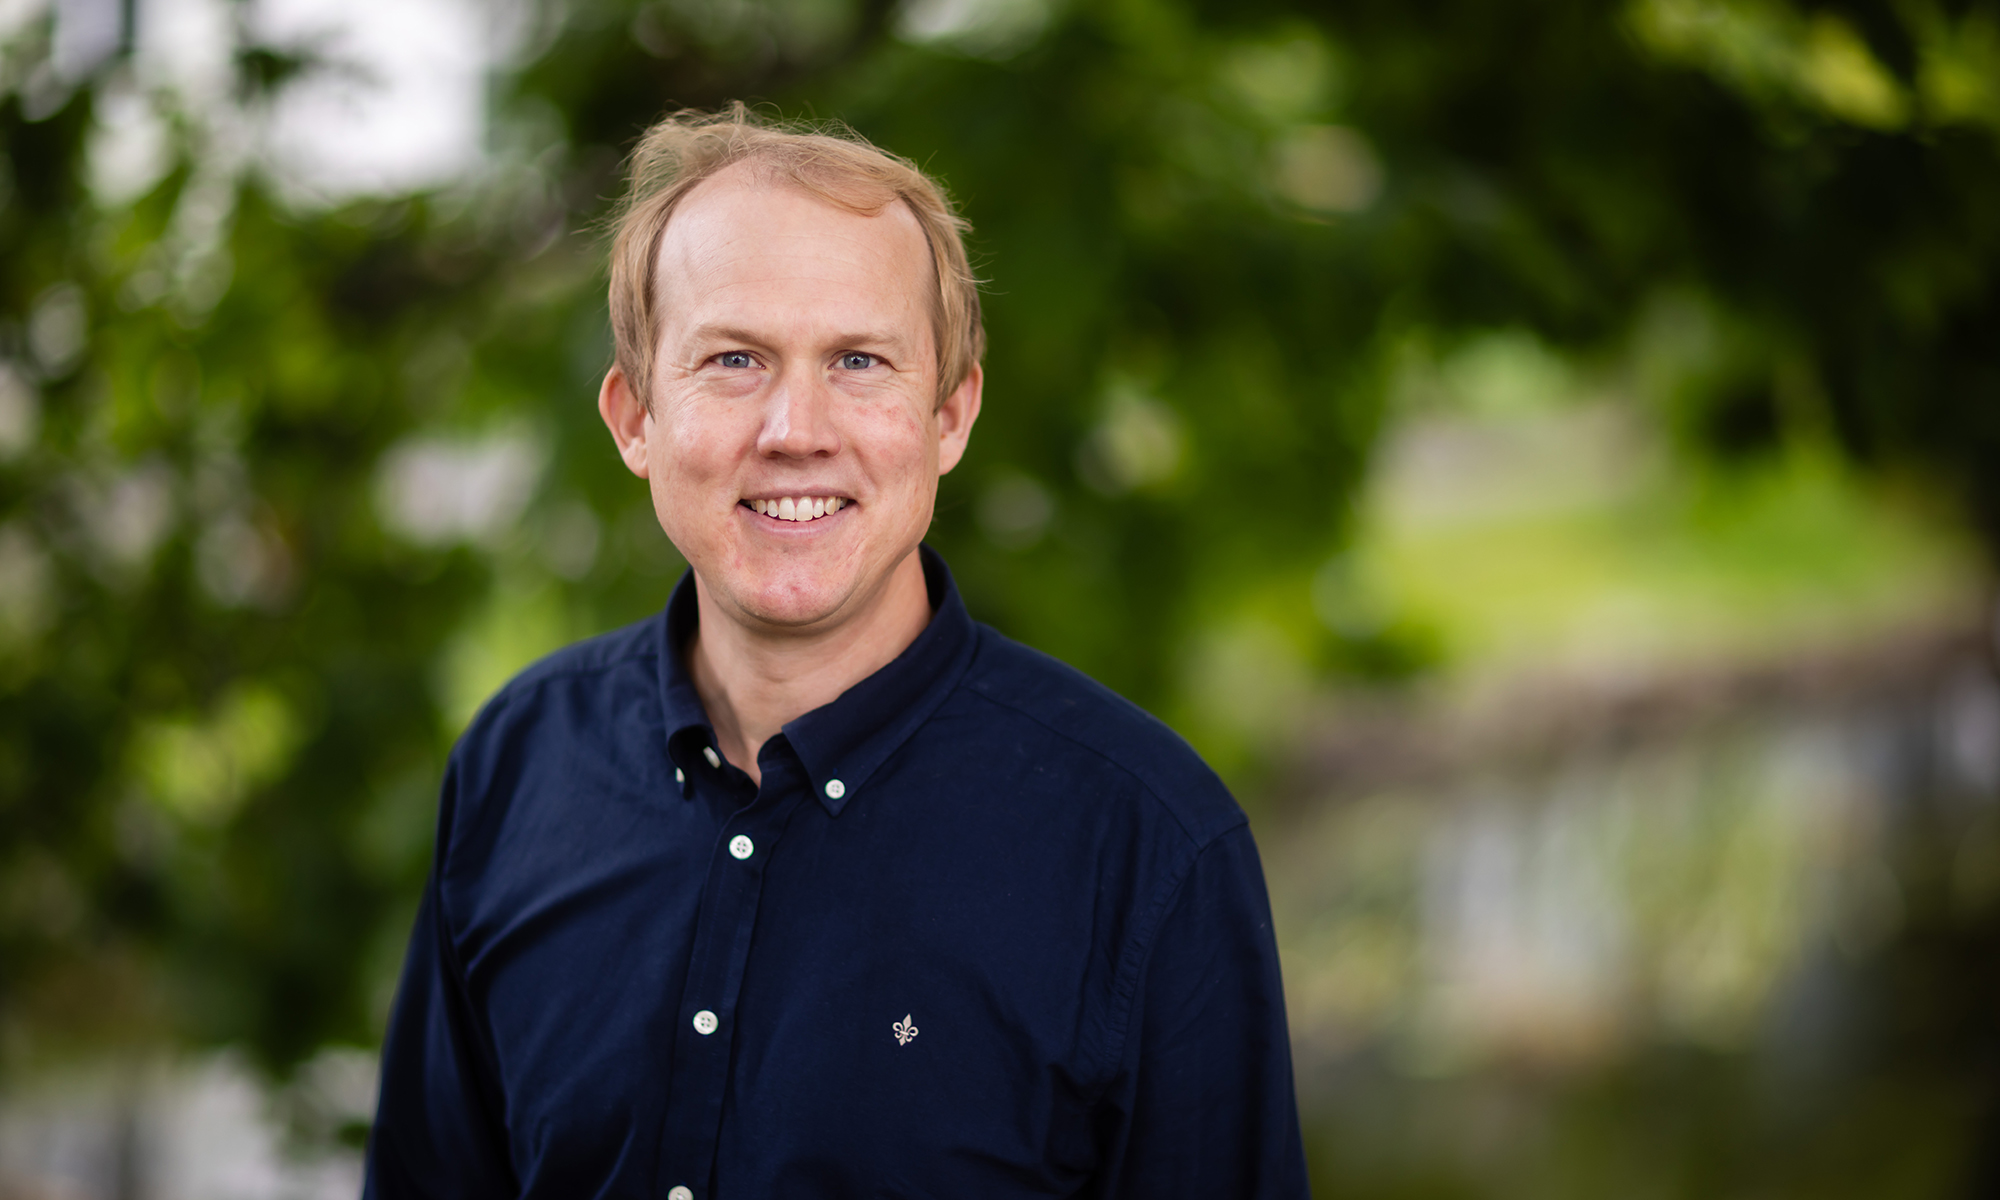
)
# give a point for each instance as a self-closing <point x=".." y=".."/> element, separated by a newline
<point x="732" y="333"/>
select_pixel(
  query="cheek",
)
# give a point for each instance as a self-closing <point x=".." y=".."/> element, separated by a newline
<point x="686" y="449"/>
<point x="901" y="443"/>
<point x="684" y="470"/>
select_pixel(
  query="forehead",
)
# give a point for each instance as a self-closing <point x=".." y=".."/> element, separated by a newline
<point x="744" y="249"/>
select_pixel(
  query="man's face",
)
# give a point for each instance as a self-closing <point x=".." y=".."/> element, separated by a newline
<point x="794" y="439"/>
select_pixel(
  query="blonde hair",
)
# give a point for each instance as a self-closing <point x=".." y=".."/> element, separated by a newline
<point x="829" y="162"/>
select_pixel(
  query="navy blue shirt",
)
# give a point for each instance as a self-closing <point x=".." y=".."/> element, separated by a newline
<point x="985" y="929"/>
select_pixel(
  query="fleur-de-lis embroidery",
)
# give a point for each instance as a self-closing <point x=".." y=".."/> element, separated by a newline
<point x="905" y="1030"/>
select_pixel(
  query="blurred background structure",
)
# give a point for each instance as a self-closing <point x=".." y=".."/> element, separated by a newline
<point x="1547" y="455"/>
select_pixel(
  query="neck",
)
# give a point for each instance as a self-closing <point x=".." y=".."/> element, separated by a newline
<point x="752" y="679"/>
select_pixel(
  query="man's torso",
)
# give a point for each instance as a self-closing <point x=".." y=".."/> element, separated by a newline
<point x="919" y="989"/>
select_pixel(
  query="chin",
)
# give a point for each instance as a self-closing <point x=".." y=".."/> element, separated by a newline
<point x="791" y="604"/>
<point x="791" y="614"/>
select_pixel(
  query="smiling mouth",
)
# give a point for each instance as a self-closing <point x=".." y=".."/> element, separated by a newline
<point x="799" y="508"/>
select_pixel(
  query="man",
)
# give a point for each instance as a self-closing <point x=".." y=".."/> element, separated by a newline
<point x="811" y="886"/>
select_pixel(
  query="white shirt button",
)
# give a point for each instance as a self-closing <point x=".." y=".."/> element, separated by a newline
<point x="835" y="789"/>
<point x="742" y="847"/>
<point x="704" y="1022"/>
<point x="680" y="1193"/>
<point x="714" y="759"/>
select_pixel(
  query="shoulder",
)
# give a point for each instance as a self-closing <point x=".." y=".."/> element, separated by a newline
<point x="636" y="645"/>
<point x="566" y="694"/>
<point x="1071" y="714"/>
<point x="580" y="722"/>
<point x="580" y="664"/>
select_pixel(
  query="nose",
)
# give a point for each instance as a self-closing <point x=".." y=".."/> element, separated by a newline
<point x="798" y="417"/>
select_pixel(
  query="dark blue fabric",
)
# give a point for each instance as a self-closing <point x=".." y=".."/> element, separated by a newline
<point x="1022" y="948"/>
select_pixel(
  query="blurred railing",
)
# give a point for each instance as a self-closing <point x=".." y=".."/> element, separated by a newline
<point x="1517" y="928"/>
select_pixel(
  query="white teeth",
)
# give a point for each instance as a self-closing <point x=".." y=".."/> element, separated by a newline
<point x="799" y="508"/>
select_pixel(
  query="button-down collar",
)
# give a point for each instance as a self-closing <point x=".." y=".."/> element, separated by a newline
<point x="840" y="743"/>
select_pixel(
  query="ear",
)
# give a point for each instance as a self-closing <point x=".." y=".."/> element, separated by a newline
<point x="955" y="417"/>
<point x="626" y="417"/>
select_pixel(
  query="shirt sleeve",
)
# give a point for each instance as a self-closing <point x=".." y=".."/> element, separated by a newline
<point x="1205" y="1095"/>
<point x="439" y="1130"/>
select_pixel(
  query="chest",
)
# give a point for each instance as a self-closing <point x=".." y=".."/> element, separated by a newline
<point x="772" y="1003"/>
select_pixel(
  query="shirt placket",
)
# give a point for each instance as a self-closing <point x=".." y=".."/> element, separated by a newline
<point x="706" y="1028"/>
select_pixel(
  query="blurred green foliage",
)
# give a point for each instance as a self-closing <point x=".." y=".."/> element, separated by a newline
<point x="234" y="644"/>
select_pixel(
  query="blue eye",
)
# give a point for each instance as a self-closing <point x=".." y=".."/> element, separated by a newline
<point x="735" y="359"/>
<point x="854" y="360"/>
